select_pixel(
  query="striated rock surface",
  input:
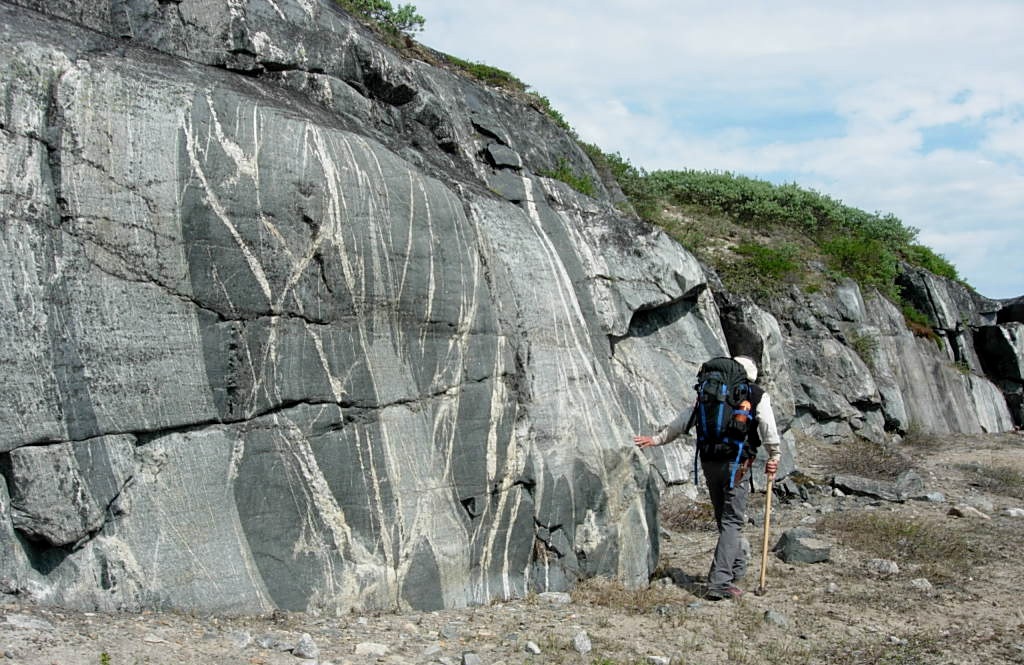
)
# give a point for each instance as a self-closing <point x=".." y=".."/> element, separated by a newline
<point x="860" y="371"/>
<point x="979" y="335"/>
<point x="264" y="354"/>
<point x="292" y="322"/>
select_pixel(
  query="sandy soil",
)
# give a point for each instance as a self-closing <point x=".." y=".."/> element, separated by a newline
<point x="838" y="611"/>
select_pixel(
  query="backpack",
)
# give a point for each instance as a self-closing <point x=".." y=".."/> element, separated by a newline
<point x="723" y="413"/>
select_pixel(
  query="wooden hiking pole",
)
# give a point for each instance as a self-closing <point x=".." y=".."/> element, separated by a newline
<point x="767" y="526"/>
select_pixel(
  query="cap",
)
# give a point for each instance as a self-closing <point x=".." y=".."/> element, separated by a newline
<point x="749" y="365"/>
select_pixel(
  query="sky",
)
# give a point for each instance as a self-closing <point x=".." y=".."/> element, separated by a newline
<point x="914" y="108"/>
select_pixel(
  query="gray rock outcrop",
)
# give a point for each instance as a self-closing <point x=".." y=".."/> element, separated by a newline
<point x="1001" y="352"/>
<point x="264" y="354"/>
<point x="293" y="322"/>
<point x="980" y="336"/>
<point x="860" y="371"/>
<point x="907" y="486"/>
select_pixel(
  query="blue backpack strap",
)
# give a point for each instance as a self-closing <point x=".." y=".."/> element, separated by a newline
<point x="734" y="467"/>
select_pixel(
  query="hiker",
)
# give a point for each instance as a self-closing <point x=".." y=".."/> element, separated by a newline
<point x="726" y="463"/>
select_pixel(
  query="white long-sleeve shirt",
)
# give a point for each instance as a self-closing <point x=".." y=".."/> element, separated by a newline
<point x="767" y="429"/>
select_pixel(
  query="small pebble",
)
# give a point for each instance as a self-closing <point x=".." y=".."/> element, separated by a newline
<point x="581" y="643"/>
<point x="306" y="648"/>
<point x="883" y="567"/>
<point x="371" y="649"/>
<point x="921" y="584"/>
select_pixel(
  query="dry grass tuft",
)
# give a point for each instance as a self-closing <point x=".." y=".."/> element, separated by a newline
<point x="679" y="513"/>
<point x="613" y="594"/>
<point x="1004" y="480"/>
<point x="912" y="651"/>
<point x="918" y="438"/>
<point x="940" y="551"/>
<point x="864" y="458"/>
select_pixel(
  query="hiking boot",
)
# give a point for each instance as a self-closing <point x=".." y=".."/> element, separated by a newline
<point x="730" y="591"/>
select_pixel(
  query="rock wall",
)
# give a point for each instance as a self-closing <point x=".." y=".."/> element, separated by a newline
<point x="860" y="370"/>
<point x="979" y="335"/>
<point x="292" y="322"/>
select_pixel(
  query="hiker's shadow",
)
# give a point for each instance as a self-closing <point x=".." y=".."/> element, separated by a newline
<point x="696" y="585"/>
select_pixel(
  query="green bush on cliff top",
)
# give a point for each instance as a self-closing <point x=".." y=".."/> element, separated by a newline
<point x="488" y="74"/>
<point x="864" y="246"/>
<point x="400" y="20"/>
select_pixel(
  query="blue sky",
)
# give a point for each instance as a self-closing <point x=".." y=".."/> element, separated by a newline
<point x="910" y="108"/>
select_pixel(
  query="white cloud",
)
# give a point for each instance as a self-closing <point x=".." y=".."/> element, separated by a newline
<point x="686" y="84"/>
<point x="1006" y="137"/>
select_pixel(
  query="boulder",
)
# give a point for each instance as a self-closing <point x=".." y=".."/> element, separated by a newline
<point x="869" y="487"/>
<point x="801" y="545"/>
<point x="62" y="494"/>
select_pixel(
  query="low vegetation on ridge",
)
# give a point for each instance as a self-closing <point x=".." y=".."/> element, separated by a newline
<point x="862" y="245"/>
<point x="760" y="236"/>
<point x="389" y="20"/>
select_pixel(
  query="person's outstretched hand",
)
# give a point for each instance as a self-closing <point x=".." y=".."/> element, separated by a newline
<point x="643" y="441"/>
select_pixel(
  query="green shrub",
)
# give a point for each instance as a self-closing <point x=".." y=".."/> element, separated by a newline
<point x="926" y="258"/>
<point x="887" y="229"/>
<point x="757" y="202"/>
<point x="635" y="184"/>
<point x="913" y="315"/>
<point x="769" y="263"/>
<point x="761" y="270"/>
<point x="867" y="260"/>
<point x="917" y="321"/>
<point x="400" y="20"/>
<point x="564" y="172"/>
<point x="544" y="104"/>
<point x="864" y="345"/>
<point x="488" y="74"/>
<point x="858" y="244"/>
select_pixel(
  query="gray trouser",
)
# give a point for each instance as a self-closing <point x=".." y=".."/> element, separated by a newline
<point x="730" y="503"/>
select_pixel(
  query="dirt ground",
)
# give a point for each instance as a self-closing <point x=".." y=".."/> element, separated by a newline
<point x="953" y="600"/>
